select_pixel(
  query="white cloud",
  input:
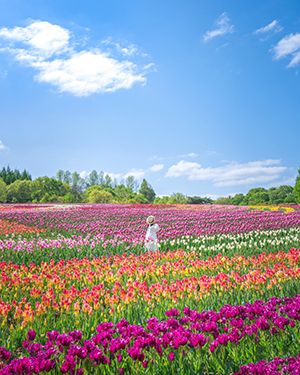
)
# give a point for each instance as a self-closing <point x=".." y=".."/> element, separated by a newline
<point x="136" y="173"/>
<point x="288" y="46"/>
<point x="89" y="72"/>
<point x="223" y="26"/>
<point x="2" y="146"/>
<point x="231" y="174"/>
<point x="183" y="168"/>
<point x="273" y="27"/>
<point x="295" y="60"/>
<point x="47" y="48"/>
<point x="84" y="174"/>
<point x="156" y="167"/>
<point x="43" y="38"/>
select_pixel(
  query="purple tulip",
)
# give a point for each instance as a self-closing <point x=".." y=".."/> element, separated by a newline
<point x="31" y="335"/>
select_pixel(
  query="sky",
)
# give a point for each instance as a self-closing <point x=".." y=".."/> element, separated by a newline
<point x="199" y="97"/>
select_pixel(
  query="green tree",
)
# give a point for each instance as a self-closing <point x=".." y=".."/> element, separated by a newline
<point x="123" y="194"/>
<point x="147" y="190"/>
<point x="3" y="175"/>
<point x="9" y="176"/>
<point x="290" y="198"/>
<point x="101" y="178"/>
<point x="257" y="196"/>
<point x="131" y="183"/>
<point x="77" y="185"/>
<point x="67" y="177"/>
<point x="178" y="198"/>
<point x="46" y="189"/>
<point x="114" y="183"/>
<point x="278" y="195"/>
<point x="25" y="175"/>
<point x="238" y="199"/>
<point x="16" y="175"/>
<point x="108" y="182"/>
<point x="223" y="200"/>
<point x="60" y="175"/>
<point x="93" y="178"/>
<point x="95" y="194"/>
<point x="162" y="200"/>
<point x="138" y="198"/>
<point x="20" y="191"/>
<point x="3" y="191"/>
<point x="199" y="200"/>
<point x="297" y="188"/>
<point x="69" y="198"/>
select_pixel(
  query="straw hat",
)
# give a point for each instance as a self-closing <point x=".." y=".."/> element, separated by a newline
<point x="150" y="219"/>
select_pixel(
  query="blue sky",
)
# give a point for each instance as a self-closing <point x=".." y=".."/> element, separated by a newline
<point x="200" y="97"/>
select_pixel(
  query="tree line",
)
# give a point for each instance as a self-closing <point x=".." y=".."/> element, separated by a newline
<point x="284" y="194"/>
<point x="70" y="187"/>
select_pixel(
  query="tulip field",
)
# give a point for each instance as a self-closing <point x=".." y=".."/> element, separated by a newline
<point x="80" y="295"/>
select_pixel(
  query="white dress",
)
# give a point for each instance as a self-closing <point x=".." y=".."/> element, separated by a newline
<point x="151" y="242"/>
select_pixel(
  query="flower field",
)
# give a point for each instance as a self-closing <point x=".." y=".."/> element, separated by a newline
<point x="79" y="294"/>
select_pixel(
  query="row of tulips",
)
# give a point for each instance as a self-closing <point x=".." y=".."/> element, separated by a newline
<point x="148" y="268"/>
<point x="7" y="227"/>
<point x="37" y="249"/>
<point x="184" y="340"/>
<point x="277" y="366"/>
<point x="253" y="242"/>
<point x="280" y="207"/>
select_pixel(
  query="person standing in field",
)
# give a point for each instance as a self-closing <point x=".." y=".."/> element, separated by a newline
<point x="151" y="242"/>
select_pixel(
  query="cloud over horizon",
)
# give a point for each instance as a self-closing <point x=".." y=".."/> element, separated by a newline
<point x="156" y="168"/>
<point x="231" y="174"/>
<point x="49" y="49"/>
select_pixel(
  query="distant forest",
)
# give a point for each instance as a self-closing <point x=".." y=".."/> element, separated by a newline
<point x="98" y="187"/>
